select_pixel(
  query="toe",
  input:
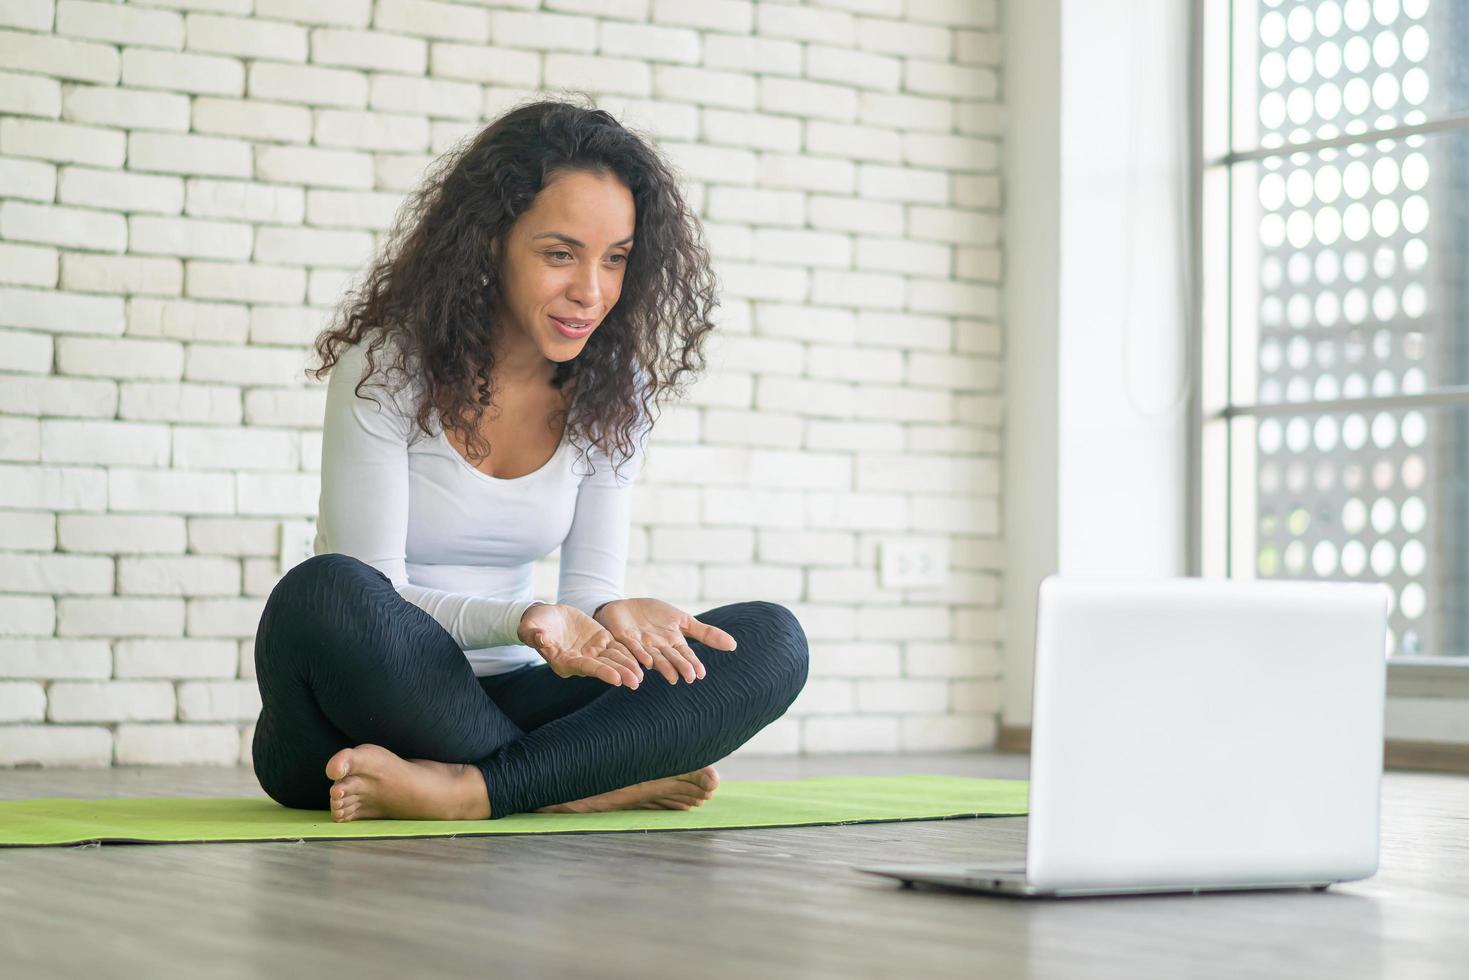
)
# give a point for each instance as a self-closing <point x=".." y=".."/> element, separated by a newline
<point x="339" y="765"/>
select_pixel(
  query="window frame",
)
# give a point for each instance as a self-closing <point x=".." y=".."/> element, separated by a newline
<point x="1212" y="480"/>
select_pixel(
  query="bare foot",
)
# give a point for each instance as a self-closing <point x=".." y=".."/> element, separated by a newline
<point x="681" y="792"/>
<point x="370" y="782"/>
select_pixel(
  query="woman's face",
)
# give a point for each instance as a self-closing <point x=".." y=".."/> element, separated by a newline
<point x="563" y="263"/>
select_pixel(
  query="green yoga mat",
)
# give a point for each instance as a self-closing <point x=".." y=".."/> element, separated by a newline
<point x="736" y="804"/>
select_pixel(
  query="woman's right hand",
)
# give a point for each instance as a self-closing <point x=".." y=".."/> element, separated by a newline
<point x="574" y="644"/>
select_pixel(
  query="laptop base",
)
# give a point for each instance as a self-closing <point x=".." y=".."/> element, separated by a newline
<point x="1010" y="880"/>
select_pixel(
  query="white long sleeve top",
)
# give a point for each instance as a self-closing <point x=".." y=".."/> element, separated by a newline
<point x="453" y="540"/>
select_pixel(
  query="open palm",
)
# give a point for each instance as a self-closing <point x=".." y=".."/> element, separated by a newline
<point x="574" y="644"/>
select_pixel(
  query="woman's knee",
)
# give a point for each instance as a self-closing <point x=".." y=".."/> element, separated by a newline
<point x="308" y="592"/>
<point x="772" y="632"/>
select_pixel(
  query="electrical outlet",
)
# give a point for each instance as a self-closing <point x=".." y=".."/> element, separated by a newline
<point x="908" y="563"/>
<point x="298" y="541"/>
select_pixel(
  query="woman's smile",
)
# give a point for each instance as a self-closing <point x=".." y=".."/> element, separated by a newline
<point x="575" y="329"/>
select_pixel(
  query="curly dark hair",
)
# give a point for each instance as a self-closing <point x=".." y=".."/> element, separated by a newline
<point x="425" y="292"/>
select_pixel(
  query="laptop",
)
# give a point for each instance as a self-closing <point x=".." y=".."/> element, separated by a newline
<point x="1194" y="735"/>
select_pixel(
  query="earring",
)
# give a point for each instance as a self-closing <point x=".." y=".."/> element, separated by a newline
<point x="484" y="280"/>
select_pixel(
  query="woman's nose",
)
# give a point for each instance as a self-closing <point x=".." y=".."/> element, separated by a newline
<point x="585" y="287"/>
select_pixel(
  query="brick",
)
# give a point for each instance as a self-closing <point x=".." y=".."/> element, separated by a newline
<point x="169" y="659"/>
<point x="978" y="48"/>
<point x="812" y="548"/>
<point x="852" y="659"/>
<point x="120" y="25"/>
<point x="62" y="142"/>
<point x="856" y="142"/>
<point x="127" y="274"/>
<point x="177" y="745"/>
<point x="243" y="365"/>
<point x="870" y="290"/>
<point x="119" y="358"/>
<point x="902" y="37"/>
<point x="120" y="533"/>
<point x="181" y="319"/>
<point x="215" y="448"/>
<point x="426" y="96"/>
<point x="751" y="129"/>
<point x="905" y="404"/>
<point x="954" y="13"/>
<point x="760" y="207"/>
<point x="75" y="228"/>
<point x="311" y="247"/>
<point x="804" y="172"/>
<point x="251" y="120"/>
<point x="26" y="265"/>
<point x="859" y="68"/>
<point x="247" y="37"/>
<point x="26" y="615"/>
<point x="625" y="9"/>
<point x="750" y="280"/>
<point x="701" y="162"/>
<point x="854" y="214"/>
<point x="45" y="659"/>
<point x="29" y="95"/>
<point x="57" y="57"/>
<point x="906" y="112"/>
<point x="804" y="98"/>
<point x="371" y="130"/>
<point x="369" y="50"/>
<point x="343" y="13"/>
<point x="901" y="255"/>
<point x="190" y="237"/>
<point x="976" y="191"/>
<point x="750" y="507"/>
<point x="729" y="16"/>
<point x="430" y="18"/>
<point x="628" y="76"/>
<point x="941" y="78"/>
<point x="184" y="576"/>
<point x="845" y="735"/>
<point x="905" y="330"/>
<point x="983" y="264"/>
<point x="126" y="108"/>
<point x="650" y="43"/>
<point x="757" y="54"/>
<point x="288" y="325"/>
<point x="177" y="72"/>
<point x="315" y="167"/>
<point x="175" y="153"/>
<point x="541" y="31"/>
<point x="853" y="436"/>
<point x="351" y="209"/>
<point x="55" y="745"/>
<point x="25" y="351"/>
<point x="805" y="23"/>
<point x="30" y="15"/>
<point x="482" y="63"/>
<point x="219" y="701"/>
<point x="151" y="401"/>
<point x="56" y="574"/>
<point x="703" y="86"/>
<point x="307" y="85"/>
<point x="28" y="180"/>
<point x="947" y="733"/>
<point x="902" y="184"/>
<point x="812" y="248"/>
<point x="60" y="313"/>
<point x="955" y="298"/>
<point x="243" y="282"/>
<point x="265" y="203"/>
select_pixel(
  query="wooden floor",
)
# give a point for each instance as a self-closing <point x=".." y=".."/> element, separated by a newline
<point x="741" y="903"/>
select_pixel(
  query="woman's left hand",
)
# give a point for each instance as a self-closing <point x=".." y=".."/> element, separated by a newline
<point x="653" y="632"/>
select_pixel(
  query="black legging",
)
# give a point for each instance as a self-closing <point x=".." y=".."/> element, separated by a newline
<point x="342" y="659"/>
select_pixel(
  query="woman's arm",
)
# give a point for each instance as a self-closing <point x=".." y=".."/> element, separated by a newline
<point x="594" y="552"/>
<point x="364" y="502"/>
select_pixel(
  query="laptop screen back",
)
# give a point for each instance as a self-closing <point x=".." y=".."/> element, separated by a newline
<point x="1189" y="730"/>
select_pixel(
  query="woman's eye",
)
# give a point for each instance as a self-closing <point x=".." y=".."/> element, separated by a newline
<point x="559" y="254"/>
<point x="619" y="257"/>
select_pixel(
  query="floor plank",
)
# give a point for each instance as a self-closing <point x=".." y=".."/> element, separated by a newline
<point x="767" y="903"/>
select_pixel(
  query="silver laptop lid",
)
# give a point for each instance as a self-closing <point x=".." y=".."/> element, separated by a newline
<point x="1206" y="730"/>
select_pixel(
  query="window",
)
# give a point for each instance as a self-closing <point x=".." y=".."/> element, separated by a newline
<point x="1335" y="212"/>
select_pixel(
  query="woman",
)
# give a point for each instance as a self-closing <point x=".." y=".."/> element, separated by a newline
<point x="552" y="273"/>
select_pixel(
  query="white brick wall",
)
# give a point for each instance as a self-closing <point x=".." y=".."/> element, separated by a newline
<point x="186" y="187"/>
